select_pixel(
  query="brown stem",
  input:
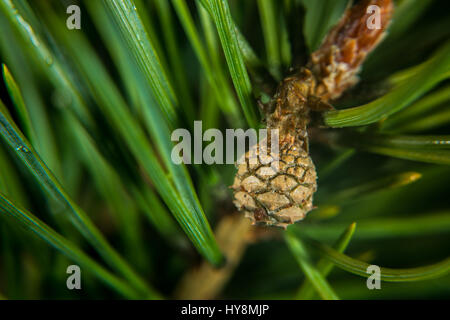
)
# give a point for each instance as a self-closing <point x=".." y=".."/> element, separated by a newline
<point x="205" y="281"/>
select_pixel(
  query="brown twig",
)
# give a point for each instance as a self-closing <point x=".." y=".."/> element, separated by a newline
<point x="205" y="281"/>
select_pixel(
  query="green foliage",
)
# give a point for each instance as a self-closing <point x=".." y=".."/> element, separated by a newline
<point x="220" y="13"/>
<point x="324" y="266"/>
<point x="387" y="274"/>
<point x="433" y="71"/>
<point x="86" y="122"/>
<point x="32" y="223"/>
<point x="320" y="17"/>
<point x="312" y="273"/>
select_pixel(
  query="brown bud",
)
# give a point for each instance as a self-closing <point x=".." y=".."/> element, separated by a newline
<point x="336" y="63"/>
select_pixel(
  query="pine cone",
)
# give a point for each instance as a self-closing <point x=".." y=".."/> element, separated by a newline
<point x="281" y="195"/>
<point x="277" y="189"/>
<point x="276" y="197"/>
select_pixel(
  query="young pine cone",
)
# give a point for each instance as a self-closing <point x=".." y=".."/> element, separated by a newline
<point x="276" y="188"/>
